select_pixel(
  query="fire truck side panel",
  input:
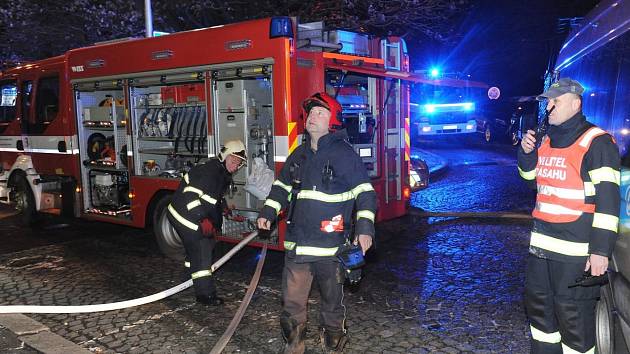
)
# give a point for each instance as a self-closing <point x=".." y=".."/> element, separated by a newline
<point x="144" y="189"/>
<point x="234" y="42"/>
<point x="236" y="80"/>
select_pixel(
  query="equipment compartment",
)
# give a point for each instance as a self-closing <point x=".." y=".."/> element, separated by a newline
<point x="170" y="127"/>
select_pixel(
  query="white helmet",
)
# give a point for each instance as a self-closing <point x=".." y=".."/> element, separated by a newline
<point x="233" y="147"/>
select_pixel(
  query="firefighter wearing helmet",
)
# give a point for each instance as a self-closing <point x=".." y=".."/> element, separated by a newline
<point x="196" y="213"/>
<point x="325" y="179"/>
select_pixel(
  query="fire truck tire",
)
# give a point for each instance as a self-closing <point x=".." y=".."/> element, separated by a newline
<point x="605" y="322"/>
<point x="165" y="235"/>
<point x="487" y="133"/>
<point x="25" y="203"/>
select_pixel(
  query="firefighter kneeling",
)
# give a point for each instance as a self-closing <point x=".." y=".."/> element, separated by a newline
<point x="196" y="213"/>
<point x="319" y="185"/>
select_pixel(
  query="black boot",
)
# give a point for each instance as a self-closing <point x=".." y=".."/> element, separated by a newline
<point x="210" y="300"/>
<point x="294" y="335"/>
<point x="332" y="341"/>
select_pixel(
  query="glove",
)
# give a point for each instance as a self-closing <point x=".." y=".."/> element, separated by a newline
<point x="264" y="234"/>
<point x="207" y="229"/>
<point x="354" y="275"/>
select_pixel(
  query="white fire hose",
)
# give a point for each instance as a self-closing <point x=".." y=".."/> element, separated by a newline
<point x="128" y="303"/>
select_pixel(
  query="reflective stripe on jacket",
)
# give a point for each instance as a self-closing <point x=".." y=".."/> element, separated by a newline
<point x="562" y="195"/>
<point x="324" y="206"/>
<point x="199" y="195"/>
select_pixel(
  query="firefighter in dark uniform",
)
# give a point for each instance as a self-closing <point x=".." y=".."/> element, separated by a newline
<point x="196" y="213"/>
<point x="576" y="173"/>
<point x="325" y="179"/>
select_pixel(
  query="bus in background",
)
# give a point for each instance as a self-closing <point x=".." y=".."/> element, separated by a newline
<point x="598" y="56"/>
<point x="447" y="106"/>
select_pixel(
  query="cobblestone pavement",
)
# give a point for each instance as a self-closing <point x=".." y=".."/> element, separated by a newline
<point x="435" y="285"/>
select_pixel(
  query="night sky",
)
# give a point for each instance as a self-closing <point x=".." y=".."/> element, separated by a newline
<point x="504" y="43"/>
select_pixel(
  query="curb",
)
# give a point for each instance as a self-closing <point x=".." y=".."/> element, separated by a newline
<point x="436" y="170"/>
<point x="38" y="336"/>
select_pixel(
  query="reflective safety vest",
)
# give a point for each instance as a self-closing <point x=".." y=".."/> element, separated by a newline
<point x="562" y="194"/>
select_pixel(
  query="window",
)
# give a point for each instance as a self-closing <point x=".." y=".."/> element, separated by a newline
<point x="47" y="100"/>
<point x="25" y="92"/>
<point x="46" y="104"/>
<point x="8" y="95"/>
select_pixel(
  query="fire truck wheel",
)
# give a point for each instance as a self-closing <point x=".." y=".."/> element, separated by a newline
<point x="605" y="322"/>
<point x="487" y="134"/>
<point x="25" y="203"/>
<point x="165" y="235"/>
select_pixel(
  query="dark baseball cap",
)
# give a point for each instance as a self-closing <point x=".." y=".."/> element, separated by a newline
<point x="560" y="87"/>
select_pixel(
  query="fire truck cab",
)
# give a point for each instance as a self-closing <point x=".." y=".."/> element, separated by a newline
<point x="106" y="132"/>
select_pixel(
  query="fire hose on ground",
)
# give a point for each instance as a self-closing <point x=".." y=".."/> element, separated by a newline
<point x="129" y="303"/>
<point x="467" y="214"/>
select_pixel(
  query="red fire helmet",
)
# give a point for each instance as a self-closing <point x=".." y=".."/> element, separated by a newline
<point x="322" y="99"/>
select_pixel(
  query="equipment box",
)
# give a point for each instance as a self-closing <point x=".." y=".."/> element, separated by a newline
<point x="102" y="114"/>
<point x="191" y="93"/>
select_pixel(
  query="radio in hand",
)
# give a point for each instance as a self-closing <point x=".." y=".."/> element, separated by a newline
<point x="541" y="130"/>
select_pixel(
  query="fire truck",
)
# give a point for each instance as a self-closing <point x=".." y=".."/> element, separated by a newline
<point x="106" y="132"/>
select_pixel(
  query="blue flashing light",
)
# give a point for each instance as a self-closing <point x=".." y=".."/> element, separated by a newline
<point x="435" y="72"/>
<point x="449" y="107"/>
<point x="281" y="27"/>
<point x="159" y="33"/>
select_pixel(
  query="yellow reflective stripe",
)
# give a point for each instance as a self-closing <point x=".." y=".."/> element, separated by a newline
<point x="186" y="179"/>
<point x="187" y="264"/>
<point x="567" y="350"/>
<point x="181" y="219"/>
<point x="335" y="198"/>
<point x="605" y="221"/>
<point x="288" y="245"/>
<point x="605" y="174"/>
<point x="315" y="251"/>
<point x="193" y="204"/>
<point x="272" y="203"/>
<point x="541" y="336"/>
<point x="589" y="189"/>
<point x="553" y="244"/>
<point x="201" y="273"/>
<point x="528" y="175"/>
<point x="209" y="199"/>
<point x="365" y="214"/>
<point x="328" y="198"/>
<point x="197" y="191"/>
<point x="363" y="187"/>
<point x="282" y="185"/>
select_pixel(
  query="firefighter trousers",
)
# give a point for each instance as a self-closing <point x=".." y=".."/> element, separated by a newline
<point x="297" y="279"/>
<point x="199" y="253"/>
<point x="562" y="319"/>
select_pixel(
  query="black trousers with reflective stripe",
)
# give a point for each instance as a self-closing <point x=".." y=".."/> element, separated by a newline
<point x="297" y="279"/>
<point x="199" y="253"/>
<point x="554" y="307"/>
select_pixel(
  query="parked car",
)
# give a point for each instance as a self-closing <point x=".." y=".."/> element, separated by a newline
<point x="612" y="314"/>
<point x="524" y="117"/>
<point x="418" y="174"/>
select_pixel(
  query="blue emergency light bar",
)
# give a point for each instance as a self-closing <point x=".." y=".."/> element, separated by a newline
<point x="449" y="107"/>
<point x="281" y="27"/>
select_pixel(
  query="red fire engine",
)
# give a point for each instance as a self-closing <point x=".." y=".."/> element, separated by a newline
<point x="106" y="132"/>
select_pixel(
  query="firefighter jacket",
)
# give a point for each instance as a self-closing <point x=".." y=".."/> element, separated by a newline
<point x="576" y="174"/>
<point x="200" y="195"/>
<point x="333" y="180"/>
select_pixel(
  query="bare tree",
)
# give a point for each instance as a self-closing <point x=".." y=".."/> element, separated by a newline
<point x="34" y="29"/>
